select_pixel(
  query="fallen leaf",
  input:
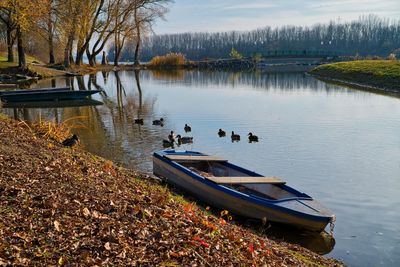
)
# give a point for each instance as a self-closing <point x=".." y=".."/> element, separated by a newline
<point x="86" y="212"/>
<point x="174" y="254"/>
<point x="57" y="226"/>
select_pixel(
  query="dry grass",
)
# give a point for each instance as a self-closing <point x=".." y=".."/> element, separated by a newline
<point x="60" y="131"/>
<point x="169" y="60"/>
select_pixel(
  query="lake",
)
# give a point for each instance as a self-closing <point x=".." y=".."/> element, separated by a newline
<point x="339" y="145"/>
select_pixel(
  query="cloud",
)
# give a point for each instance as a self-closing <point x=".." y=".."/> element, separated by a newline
<point x="356" y="6"/>
<point x="250" y="6"/>
<point x="229" y="15"/>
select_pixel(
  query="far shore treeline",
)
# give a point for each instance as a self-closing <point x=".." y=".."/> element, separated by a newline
<point x="69" y="31"/>
<point x="368" y="36"/>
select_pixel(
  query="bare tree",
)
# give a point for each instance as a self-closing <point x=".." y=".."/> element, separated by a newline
<point x="145" y="13"/>
<point x="10" y="26"/>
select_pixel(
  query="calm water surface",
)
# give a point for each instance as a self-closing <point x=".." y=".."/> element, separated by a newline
<point x="339" y="145"/>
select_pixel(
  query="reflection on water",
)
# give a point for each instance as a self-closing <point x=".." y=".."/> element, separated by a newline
<point x="53" y="104"/>
<point x="321" y="243"/>
<point x="336" y="144"/>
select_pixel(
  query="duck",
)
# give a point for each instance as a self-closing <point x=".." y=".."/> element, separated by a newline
<point x="171" y="137"/>
<point x="159" y="122"/>
<point x="235" y="137"/>
<point x="187" y="128"/>
<point x="184" y="139"/>
<point x="168" y="143"/>
<point x="221" y="133"/>
<point x="70" y="142"/>
<point x="138" y="121"/>
<point x="252" y="138"/>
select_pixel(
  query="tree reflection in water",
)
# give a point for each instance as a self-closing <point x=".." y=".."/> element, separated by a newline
<point x="107" y="130"/>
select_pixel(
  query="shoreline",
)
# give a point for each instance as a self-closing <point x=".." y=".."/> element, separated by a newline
<point x="11" y="77"/>
<point x="356" y="85"/>
<point x="381" y="76"/>
<point x="64" y="206"/>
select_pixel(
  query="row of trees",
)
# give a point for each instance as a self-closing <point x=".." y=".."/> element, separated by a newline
<point x="71" y="29"/>
<point x="369" y="35"/>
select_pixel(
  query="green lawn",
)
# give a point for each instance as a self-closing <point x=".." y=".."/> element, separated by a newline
<point x="382" y="74"/>
<point x="382" y="68"/>
<point x="5" y="64"/>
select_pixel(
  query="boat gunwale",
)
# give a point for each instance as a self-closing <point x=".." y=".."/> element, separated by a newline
<point x="254" y="199"/>
<point x="55" y="95"/>
<point x="35" y="90"/>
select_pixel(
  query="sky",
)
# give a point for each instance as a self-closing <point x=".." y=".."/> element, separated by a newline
<point x="227" y="15"/>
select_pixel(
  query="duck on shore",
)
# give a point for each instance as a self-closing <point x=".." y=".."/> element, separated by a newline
<point x="70" y="142"/>
<point x="221" y="133"/>
<point x="235" y="137"/>
<point x="159" y="122"/>
<point x="187" y="128"/>
<point x="252" y="137"/>
<point x="184" y="139"/>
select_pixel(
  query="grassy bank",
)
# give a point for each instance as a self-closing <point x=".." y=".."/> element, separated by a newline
<point x="377" y="74"/>
<point x="62" y="206"/>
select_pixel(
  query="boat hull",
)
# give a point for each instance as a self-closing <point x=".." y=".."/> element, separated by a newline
<point x="224" y="198"/>
<point x="45" y="95"/>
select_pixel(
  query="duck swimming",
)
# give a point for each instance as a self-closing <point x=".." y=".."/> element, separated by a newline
<point x="235" y="137"/>
<point x="184" y="140"/>
<point x="159" y="122"/>
<point x="171" y="137"/>
<point x="167" y="143"/>
<point x="187" y="128"/>
<point x="221" y="133"/>
<point x="138" y="121"/>
<point x="252" y="138"/>
<point x="70" y="142"/>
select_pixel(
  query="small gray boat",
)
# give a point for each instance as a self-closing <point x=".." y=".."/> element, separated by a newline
<point x="45" y="94"/>
<point x="227" y="186"/>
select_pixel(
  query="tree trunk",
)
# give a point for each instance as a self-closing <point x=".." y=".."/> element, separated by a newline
<point x="104" y="60"/>
<point x="136" y="59"/>
<point x="117" y="55"/>
<point x="67" y="61"/>
<point x="71" y="55"/>
<point x="10" y="44"/>
<point x="79" y="52"/>
<point x="21" y="51"/>
<point x="116" y="48"/>
<point x="52" y="59"/>
<point x="92" y="60"/>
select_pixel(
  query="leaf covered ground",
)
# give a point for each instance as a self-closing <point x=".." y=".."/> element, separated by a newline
<point x="62" y="206"/>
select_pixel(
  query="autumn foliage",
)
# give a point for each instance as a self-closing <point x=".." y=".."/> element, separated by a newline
<point x="61" y="206"/>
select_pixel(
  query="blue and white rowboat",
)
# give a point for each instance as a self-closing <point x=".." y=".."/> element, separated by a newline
<point x="227" y="186"/>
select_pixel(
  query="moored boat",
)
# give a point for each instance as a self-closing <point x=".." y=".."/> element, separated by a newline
<point x="45" y="94"/>
<point x="222" y="184"/>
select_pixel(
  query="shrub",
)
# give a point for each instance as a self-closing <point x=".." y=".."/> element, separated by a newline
<point x="391" y="56"/>
<point x="168" y="60"/>
<point x="235" y="54"/>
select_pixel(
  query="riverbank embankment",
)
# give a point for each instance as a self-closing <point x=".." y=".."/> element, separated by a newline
<point x="61" y="206"/>
<point x="382" y="75"/>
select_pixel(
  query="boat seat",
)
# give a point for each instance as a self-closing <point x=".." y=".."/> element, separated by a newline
<point x="193" y="158"/>
<point x="245" y="180"/>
